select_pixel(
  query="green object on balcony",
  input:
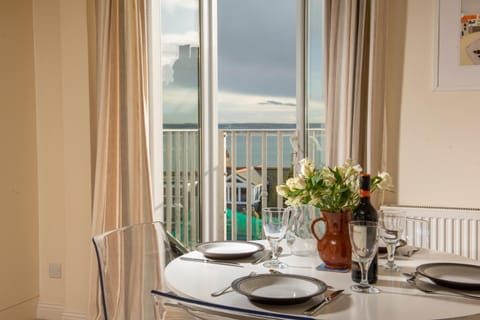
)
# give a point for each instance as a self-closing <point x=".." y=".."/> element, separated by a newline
<point x="242" y="226"/>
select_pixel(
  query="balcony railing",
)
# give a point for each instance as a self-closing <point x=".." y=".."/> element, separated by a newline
<point x="255" y="161"/>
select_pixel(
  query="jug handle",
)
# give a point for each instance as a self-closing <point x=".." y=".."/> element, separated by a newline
<point x="292" y="217"/>
<point x="312" y="228"/>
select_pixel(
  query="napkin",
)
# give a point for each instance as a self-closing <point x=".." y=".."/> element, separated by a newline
<point x="407" y="251"/>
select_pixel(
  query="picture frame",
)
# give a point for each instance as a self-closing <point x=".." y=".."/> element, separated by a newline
<point x="450" y="74"/>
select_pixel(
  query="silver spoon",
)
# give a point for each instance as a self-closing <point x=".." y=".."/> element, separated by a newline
<point x="227" y="289"/>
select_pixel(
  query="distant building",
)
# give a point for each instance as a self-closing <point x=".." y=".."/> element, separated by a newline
<point x="241" y="186"/>
<point x="255" y="187"/>
<point x="185" y="68"/>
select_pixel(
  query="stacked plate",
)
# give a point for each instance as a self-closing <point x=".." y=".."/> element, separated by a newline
<point x="452" y="275"/>
<point x="229" y="249"/>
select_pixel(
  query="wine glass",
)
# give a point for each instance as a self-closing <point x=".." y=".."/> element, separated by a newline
<point x="275" y="222"/>
<point x="392" y="224"/>
<point x="364" y="240"/>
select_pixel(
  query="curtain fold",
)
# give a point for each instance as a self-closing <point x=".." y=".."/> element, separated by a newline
<point x="341" y="60"/>
<point x="122" y="190"/>
<point x="355" y="83"/>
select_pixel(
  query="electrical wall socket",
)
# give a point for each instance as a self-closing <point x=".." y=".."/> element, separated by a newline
<point x="55" y="270"/>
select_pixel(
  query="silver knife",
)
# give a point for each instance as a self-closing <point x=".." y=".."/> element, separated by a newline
<point x="225" y="263"/>
<point x="328" y="298"/>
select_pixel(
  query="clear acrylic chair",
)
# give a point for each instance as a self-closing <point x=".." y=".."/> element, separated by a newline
<point x="169" y="306"/>
<point x="131" y="262"/>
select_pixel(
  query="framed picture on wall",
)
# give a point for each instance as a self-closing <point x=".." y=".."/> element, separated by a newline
<point x="457" y="47"/>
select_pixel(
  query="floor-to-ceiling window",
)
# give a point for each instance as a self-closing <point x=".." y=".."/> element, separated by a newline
<point x="268" y="61"/>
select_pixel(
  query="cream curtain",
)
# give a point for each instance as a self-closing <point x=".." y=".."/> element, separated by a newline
<point x="122" y="191"/>
<point x="355" y="83"/>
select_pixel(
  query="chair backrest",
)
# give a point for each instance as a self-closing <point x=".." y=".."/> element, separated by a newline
<point x="169" y="306"/>
<point x="131" y="262"/>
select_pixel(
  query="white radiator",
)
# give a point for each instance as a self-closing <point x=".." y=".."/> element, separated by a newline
<point x="450" y="230"/>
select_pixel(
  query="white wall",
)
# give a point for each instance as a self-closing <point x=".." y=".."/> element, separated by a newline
<point x="63" y="135"/>
<point x="438" y="154"/>
<point x="18" y="173"/>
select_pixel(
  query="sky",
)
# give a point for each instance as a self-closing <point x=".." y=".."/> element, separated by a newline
<point x="256" y="47"/>
<point x="256" y="60"/>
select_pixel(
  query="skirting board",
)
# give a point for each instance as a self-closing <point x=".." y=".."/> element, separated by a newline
<point x="47" y="311"/>
<point x="74" y="316"/>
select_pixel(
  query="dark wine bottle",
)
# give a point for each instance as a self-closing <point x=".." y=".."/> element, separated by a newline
<point x="365" y="212"/>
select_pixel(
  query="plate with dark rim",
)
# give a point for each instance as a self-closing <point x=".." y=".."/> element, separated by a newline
<point x="383" y="249"/>
<point x="452" y="275"/>
<point x="279" y="288"/>
<point x="229" y="249"/>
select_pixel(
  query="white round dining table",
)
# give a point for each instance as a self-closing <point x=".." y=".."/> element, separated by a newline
<point x="397" y="299"/>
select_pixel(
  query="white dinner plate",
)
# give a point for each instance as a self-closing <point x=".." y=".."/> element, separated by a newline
<point x="229" y="249"/>
<point x="279" y="288"/>
<point x="452" y="275"/>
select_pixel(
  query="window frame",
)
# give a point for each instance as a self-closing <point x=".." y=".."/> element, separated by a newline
<point x="211" y="168"/>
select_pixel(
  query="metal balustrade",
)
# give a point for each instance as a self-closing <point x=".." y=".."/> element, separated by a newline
<point x="255" y="161"/>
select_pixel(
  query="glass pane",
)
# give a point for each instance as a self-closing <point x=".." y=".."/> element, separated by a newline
<point x="315" y="80"/>
<point x="256" y="103"/>
<point x="256" y="63"/>
<point x="180" y="99"/>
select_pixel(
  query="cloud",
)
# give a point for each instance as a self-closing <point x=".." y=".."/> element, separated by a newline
<point x="181" y="106"/>
<point x="173" y="5"/>
<point x="278" y="103"/>
<point x="241" y="108"/>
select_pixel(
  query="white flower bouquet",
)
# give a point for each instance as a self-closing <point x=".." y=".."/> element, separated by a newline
<point x="329" y="189"/>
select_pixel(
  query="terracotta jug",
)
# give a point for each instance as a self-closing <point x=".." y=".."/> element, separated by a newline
<point x="333" y="242"/>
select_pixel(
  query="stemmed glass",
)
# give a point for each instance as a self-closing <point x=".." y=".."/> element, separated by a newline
<point x="364" y="240"/>
<point x="391" y="224"/>
<point x="275" y="222"/>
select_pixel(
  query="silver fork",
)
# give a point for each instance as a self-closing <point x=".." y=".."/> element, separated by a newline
<point x="227" y="289"/>
<point x="431" y="288"/>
